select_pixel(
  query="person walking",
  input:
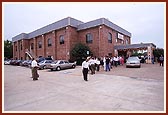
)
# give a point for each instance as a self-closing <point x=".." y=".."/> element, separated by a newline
<point x="92" y="62"/>
<point x="34" y="67"/>
<point x="161" y="60"/>
<point x="85" y="68"/>
<point x="98" y="64"/>
<point x="104" y="63"/>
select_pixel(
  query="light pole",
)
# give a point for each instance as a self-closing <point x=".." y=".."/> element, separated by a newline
<point x="99" y="40"/>
<point x="67" y="43"/>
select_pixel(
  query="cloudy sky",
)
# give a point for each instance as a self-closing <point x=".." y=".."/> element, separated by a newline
<point x="145" y="21"/>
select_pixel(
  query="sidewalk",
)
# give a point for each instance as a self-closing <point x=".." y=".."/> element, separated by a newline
<point x="66" y="91"/>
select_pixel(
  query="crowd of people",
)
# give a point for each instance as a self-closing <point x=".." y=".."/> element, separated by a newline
<point x="93" y="64"/>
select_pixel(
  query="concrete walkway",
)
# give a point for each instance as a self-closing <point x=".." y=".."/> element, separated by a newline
<point x="66" y="91"/>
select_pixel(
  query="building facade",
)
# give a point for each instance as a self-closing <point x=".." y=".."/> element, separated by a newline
<point x="58" y="39"/>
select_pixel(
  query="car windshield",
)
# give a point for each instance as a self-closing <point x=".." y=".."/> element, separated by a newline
<point x="132" y="58"/>
<point x="55" y="62"/>
<point x="42" y="61"/>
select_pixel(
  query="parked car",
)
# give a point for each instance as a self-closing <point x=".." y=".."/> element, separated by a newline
<point x="7" y="62"/>
<point x="12" y="62"/>
<point x="26" y="63"/>
<point x="61" y="64"/>
<point x="133" y="62"/>
<point x="18" y="62"/>
<point x="44" y="63"/>
<point x="43" y="58"/>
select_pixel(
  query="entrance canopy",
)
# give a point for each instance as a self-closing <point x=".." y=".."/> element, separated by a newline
<point x="131" y="47"/>
<point x="142" y="46"/>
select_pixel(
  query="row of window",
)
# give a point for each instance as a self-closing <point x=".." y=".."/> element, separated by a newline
<point x="49" y="42"/>
<point x="89" y="39"/>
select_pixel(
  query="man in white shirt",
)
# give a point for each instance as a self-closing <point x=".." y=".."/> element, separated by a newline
<point x="34" y="66"/>
<point x="116" y="60"/>
<point x="85" y="68"/>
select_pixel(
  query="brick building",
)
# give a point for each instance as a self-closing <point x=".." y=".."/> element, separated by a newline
<point x="56" y="40"/>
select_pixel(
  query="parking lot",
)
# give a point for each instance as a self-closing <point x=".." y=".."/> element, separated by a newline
<point x="121" y="89"/>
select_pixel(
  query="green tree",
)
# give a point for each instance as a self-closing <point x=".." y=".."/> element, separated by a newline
<point x="158" y="52"/>
<point x="79" y="53"/>
<point x="8" y="49"/>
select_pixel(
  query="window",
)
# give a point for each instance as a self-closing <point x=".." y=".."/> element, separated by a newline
<point x="109" y="38"/>
<point x="49" y="42"/>
<point x="61" y="39"/>
<point x="32" y="45"/>
<point x="16" y="48"/>
<point x="89" y="38"/>
<point x="21" y="46"/>
<point x="126" y="41"/>
<point x="39" y="44"/>
<point x="61" y="62"/>
<point x="65" y="62"/>
<point x="116" y="40"/>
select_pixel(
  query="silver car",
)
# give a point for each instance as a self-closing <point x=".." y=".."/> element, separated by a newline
<point x="133" y="62"/>
<point x="60" y="64"/>
<point x="44" y="63"/>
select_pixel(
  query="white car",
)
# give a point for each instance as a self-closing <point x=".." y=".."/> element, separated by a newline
<point x="7" y="62"/>
<point x="133" y="62"/>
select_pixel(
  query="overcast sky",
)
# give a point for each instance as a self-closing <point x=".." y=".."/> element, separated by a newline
<point x="145" y="21"/>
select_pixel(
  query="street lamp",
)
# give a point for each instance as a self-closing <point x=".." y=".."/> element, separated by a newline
<point x="99" y="40"/>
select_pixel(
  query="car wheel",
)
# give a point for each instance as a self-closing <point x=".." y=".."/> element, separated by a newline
<point x="73" y="66"/>
<point x="44" y="67"/>
<point x="52" y="69"/>
<point x="58" y="68"/>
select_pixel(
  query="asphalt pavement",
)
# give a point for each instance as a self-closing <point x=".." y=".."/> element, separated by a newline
<point x="136" y="90"/>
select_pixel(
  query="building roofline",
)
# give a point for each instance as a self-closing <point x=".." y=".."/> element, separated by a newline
<point x="132" y="46"/>
<point x="103" y="21"/>
<point x="70" y="22"/>
<point x="54" y="26"/>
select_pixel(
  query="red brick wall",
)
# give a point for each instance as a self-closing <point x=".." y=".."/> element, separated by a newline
<point x="39" y="50"/>
<point x="61" y="48"/>
<point x="94" y="45"/>
<point x="49" y="51"/>
<point x="99" y="47"/>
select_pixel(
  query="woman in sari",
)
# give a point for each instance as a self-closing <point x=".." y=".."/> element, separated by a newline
<point x="34" y="66"/>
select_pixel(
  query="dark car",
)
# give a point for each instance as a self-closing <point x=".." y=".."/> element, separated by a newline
<point x="18" y="62"/>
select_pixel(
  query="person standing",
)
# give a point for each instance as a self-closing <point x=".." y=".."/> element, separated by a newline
<point x="34" y="66"/>
<point x="104" y="62"/>
<point x="152" y="59"/>
<point x="122" y="60"/>
<point x="116" y="60"/>
<point x="107" y="63"/>
<point x="161" y="59"/>
<point x="98" y="64"/>
<point x="85" y="68"/>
